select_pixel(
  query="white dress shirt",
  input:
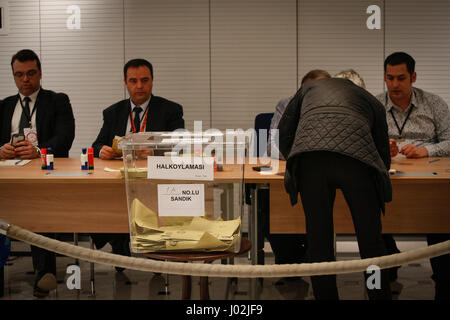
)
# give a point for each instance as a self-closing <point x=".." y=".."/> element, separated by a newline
<point x="18" y="112"/>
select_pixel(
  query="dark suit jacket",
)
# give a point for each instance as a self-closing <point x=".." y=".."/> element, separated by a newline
<point x="163" y="115"/>
<point x="55" y="123"/>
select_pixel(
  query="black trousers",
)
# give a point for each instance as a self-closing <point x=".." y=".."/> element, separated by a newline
<point x="287" y="248"/>
<point x="120" y="242"/>
<point x="43" y="261"/>
<point x="441" y="268"/>
<point x="318" y="176"/>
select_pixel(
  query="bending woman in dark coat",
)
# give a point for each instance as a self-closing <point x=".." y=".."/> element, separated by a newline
<point x="334" y="136"/>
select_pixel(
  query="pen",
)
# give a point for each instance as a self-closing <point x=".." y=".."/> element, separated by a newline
<point x="433" y="160"/>
<point x="17" y="162"/>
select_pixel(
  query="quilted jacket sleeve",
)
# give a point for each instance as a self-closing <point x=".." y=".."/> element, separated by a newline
<point x="380" y="131"/>
<point x="289" y="122"/>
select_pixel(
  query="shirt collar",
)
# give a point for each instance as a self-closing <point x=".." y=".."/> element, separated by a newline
<point x="32" y="96"/>
<point x="413" y="102"/>
<point x="143" y="106"/>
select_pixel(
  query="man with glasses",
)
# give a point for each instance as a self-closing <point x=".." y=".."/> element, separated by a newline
<point x="43" y="116"/>
<point x="46" y="120"/>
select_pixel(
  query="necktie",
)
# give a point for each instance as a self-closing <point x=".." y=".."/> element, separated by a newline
<point x="137" y="121"/>
<point x="25" y="118"/>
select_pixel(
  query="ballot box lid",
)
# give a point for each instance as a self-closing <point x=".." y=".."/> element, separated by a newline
<point x="163" y="139"/>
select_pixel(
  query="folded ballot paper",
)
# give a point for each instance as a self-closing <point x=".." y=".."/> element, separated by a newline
<point x="115" y="145"/>
<point x="180" y="233"/>
<point x="134" y="172"/>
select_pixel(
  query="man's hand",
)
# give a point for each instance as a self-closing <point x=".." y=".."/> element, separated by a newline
<point x="411" y="151"/>
<point x="26" y="150"/>
<point x="107" y="153"/>
<point x="393" y="147"/>
<point x="7" y="151"/>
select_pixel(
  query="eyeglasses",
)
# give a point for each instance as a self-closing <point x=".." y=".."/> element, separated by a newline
<point x="30" y="73"/>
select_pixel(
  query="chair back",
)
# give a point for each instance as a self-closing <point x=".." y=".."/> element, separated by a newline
<point x="262" y="121"/>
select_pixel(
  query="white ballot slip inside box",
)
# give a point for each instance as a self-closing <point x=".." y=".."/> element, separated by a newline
<point x="181" y="168"/>
<point x="187" y="200"/>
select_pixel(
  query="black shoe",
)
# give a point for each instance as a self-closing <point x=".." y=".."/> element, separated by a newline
<point x="39" y="293"/>
<point x="45" y="285"/>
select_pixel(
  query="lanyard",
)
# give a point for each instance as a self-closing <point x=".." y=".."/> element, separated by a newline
<point x="26" y="114"/>
<point x="144" y="120"/>
<point x="400" y="130"/>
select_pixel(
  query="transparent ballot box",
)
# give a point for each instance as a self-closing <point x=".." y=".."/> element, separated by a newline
<point x="184" y="191"/>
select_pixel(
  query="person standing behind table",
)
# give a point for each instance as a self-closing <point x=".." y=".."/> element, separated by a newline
<point x="46" y="119"/>
<point x="334" y="135"/>
<point x="287" y="248"/>
<point x="141" y="112"/>
<point x="423" y="120"/>
<point x="281" y="107"/>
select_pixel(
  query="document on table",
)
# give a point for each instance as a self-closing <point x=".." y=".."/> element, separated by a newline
<point x="13" y="163"/>
<point x="67" y="174"/>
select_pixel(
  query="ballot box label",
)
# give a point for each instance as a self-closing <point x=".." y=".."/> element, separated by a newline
<point x="187" y="200"/>
<point x="181" y="168"/>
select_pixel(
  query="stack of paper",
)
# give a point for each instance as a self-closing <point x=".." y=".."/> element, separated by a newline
<point x="184" y="233"/>
<point x="134" y="172"/>
<point x="115" y="145"/>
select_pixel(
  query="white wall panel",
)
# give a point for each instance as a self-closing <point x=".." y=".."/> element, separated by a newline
<point x="422" y="29"/>
<point x="253" y="59"/>
<point x="333" y="36"/>
<point x="85" y="63"/>
<point x="174" y="36"/>
<point x="23" y="34"/>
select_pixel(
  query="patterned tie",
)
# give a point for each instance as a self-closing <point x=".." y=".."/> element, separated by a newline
<point x="137" y="121"/>
<point x="25" y="118"/>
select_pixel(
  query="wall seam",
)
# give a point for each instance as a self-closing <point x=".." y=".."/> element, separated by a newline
<point x="123" y="35"/>
<point x="40" y="39"/>
<point x="384" y="43"/>
<point x="297" y="26"/>
<point x="210" y="66"/>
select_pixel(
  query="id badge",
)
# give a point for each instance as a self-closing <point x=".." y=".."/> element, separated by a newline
<point x="31" y="135"/>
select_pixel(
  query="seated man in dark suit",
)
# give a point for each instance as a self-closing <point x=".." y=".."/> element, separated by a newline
<point x="46" y="119"/>
<point x="142" y="112"/>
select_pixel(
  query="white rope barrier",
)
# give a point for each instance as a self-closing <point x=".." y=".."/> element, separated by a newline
<point x="219" y="270"/>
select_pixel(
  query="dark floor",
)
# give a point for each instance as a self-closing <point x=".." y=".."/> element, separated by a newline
<point x="413" y="283"/>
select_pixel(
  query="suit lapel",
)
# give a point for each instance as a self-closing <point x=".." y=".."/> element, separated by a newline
<point x="149" y="114"/>
<point x="124" y="116"/>
<point x="40" y="110"/>
<point x="9" y="112"/>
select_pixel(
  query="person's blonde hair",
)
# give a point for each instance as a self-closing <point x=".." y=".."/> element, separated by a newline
<point x="315" y="74"/>
<point x="353" y="76"/>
